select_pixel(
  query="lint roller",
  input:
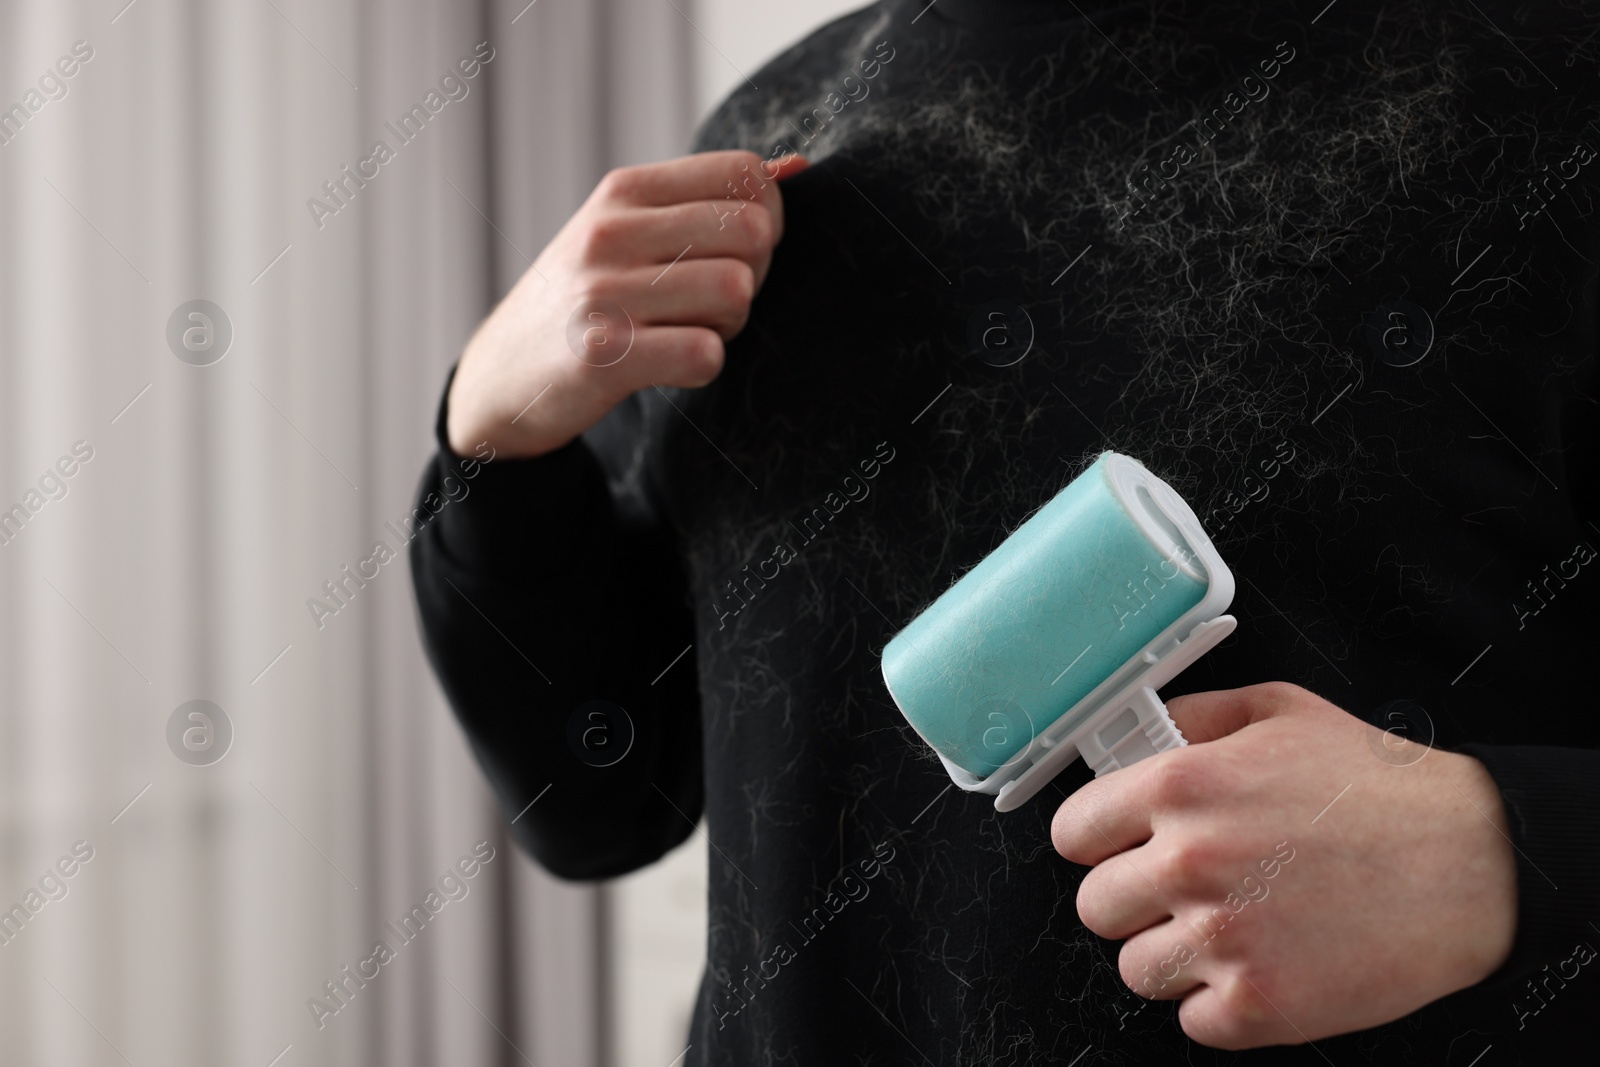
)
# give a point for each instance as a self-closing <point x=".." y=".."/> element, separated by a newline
<point x="1054" y="645"/>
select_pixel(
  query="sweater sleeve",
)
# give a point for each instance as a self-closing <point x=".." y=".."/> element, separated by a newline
<point x="1552" y="802"/>
<point x="1552" y="795"/>
<point x="549" y="614"/>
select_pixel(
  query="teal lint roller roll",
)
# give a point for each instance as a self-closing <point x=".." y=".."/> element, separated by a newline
<point x="1054" y="645"/>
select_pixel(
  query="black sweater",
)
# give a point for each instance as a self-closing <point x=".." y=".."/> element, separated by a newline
<point x="1331" y="275"/>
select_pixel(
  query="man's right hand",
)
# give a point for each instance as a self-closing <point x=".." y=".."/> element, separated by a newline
<point x="672" y="247"/>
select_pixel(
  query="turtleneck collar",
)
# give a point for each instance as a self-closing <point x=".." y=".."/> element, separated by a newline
<point x="1015" y="12"/>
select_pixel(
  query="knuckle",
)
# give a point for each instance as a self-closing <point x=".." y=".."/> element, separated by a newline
<point x="604" y="238"/>
<point x="1208" y="1027"/>
<point x="1127" y="969"/>
<point x="600" y="329"/>
<point x="736" y="282"/>
<point x="735" y="324"/>
<point x="1278" y="694"/>
<point x="598" y="289"/>
<point x="1064" y="835"/>
<point x="619" y="183"/>
<point x="703" y="356"/>
<point x="742" y="164"/>
<point x="1185" y="867"/>
<point x="1143" y="976"/>
<point x="1244" y="1002"/>
<point x="598" y="345"/>
<point x="740" y="220"/>
<point x="756" y="225"/>
<point x="1089" y="911"/>
<point x="1178" y="780"/>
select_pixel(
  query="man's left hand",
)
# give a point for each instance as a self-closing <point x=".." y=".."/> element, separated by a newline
<point x="1285" y="880"/>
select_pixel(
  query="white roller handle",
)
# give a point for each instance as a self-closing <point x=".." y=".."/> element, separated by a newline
<point x="1123" y="735"/>
<point x="1147" y="711"/>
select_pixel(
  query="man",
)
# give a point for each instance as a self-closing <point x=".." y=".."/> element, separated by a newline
<point x="1329" y="273"/>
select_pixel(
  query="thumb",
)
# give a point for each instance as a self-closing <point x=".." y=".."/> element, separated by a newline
<point x="1208" y="716"/>
<point x="784" y="167"/>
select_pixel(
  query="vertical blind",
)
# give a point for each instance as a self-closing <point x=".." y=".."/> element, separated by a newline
<point x="225" y="314"/>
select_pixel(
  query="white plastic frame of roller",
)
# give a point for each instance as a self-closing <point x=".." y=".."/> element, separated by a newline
<point x="1173" y="528"/>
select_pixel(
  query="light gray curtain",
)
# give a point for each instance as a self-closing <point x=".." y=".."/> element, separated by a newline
<point x="175" y="564"/>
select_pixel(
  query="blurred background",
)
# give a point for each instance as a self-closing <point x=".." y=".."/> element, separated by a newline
<point x="224" y="323"/>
